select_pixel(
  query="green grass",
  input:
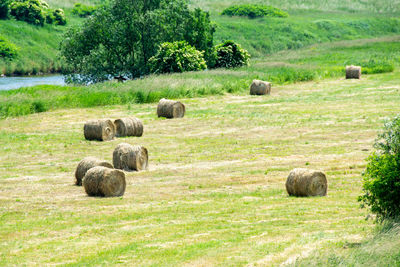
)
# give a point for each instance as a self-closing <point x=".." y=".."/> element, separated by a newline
<point x="214" y="194"/>
<point x="308" y="24"/>
<point x="381" y="250"/>
<point x="314" y="63"/>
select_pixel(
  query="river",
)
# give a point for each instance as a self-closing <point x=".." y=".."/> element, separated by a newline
<point x="8" y="83"/>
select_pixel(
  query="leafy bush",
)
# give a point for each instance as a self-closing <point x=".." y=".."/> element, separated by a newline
<point x="59" y="17"/>
<point x="177" y="57"/>
<point x="82" y="10"/>
<point x="382" y="175"/>
<point x="7" y="50"/>
<point x="4" y="8"/>
<point x="254" y="11"/>
<point x="231" y="55"/>
<point x="31" y="11"/>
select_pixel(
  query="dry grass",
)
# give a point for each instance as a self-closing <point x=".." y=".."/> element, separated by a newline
<point x="214" y="193"/>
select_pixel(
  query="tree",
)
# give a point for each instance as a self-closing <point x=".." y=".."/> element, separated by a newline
<point x="121" y="37"/>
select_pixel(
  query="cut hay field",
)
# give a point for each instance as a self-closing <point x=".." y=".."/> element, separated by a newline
<point x="214" y="192"/>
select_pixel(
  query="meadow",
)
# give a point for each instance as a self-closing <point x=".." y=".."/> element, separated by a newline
<point x="310" y="22"/>
<point x="312" y="63"/>
<point x="214" y="193"/>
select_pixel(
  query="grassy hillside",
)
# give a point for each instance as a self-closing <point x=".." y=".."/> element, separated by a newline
<point x="309" y="23"/>
<point x="214" y="194"/>
<point x="313" y="63"/>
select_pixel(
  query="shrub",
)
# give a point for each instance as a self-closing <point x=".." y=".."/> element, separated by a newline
<point x="31" y="11"/>
<point x="4" y="8"/>
<point x="254" y="11"/>
<point x="82" y="10"/>
<point x="7" y="50"/>
<point x="59" y="17"/>
<point x="177" y="57"/>
<point x="382" y="176"/>
<point x="231" y="55"/>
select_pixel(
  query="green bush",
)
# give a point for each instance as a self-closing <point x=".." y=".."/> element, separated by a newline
<point x="254" y="11"/>
<point x="382" y="176"/>
<point x="231" y="55"/>
<point x="31" y="11"/>
<point x="82" y="10"/>
<point x="59" y="17"/>
<point x="7" y="50"/>
<point x="177" y="57"/>
<point x="4" y="8"/>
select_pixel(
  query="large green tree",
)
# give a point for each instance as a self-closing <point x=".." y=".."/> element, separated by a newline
<point x="123" y="35"/>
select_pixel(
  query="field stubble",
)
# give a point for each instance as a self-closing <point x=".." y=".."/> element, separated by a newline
<point x="214" y="193"/>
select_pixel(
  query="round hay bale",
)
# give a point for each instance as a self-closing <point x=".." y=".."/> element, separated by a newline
<point x="260" y="88"/>
<point x="128" y="127"/>
<point x="100" y="130"/>
<point x="104" y="182"/>
<point x="85" y="165"/>
<point x="353" y="72"/>
<point x="130" y="158"/>
<point x="170" y="109"/>
<point x="304" y="183"/>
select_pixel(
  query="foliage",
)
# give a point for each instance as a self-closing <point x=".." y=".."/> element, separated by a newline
<point x="31" y="11"/>
<point x="4" y="8"/>
<point x="177" y="57"/>
<point x="59" y="17"/>
<point x="83" y="10"/>
<point x="8" y="50"/>
<point x="382" y="175"/>
<point x="231" y="55"/>
<point x="37" y="12"/>
<point x="120" y="38"/>
<point x="254" y="11"/>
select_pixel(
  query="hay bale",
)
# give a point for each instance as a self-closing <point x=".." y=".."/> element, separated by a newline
<point x="104" y="182"/>
<point x="304" y="182"/>
<point x="100" y="130"/>
<point x="128" y="127"/>
<point x="353" y="72"/>
<point x="170" y="109"/>
<point x="260" y="88"/>
<point x="130" y="158"/>
<point x="85" y="165"/>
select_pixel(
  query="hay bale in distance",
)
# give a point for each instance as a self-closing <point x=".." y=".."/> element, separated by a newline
<point x="128" y="127"/>
<point x="130" y="158"/>
<point x="305" y="182"/>
<point x="260" y="88"/>
<point x="100" y="130"/>
<point x="85" y="165"/>
<point x="353" y="72"/>
<point x="104" y="182"/>
<point x="170" y="109"/>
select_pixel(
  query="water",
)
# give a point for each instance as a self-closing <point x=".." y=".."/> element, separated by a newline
<point x="8" y="83"/>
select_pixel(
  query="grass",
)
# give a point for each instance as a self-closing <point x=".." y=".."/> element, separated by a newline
<point x="381" y="250"/>
<point x="214" y="194"/>
<point x="308" y="24"/>
<point x="313" y="63"/>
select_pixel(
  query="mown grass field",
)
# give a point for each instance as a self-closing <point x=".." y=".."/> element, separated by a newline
<point x="214" y="194"/>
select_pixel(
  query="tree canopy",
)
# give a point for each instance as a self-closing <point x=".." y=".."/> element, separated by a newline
<point x="121" y="37"/>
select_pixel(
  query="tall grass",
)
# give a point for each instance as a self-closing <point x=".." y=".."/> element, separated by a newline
<point x="380" y="250"/>
<point x="297" y="66"/>
<point x="261" y="37"/>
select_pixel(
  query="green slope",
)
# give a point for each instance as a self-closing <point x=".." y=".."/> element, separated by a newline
<point x="310" y="22"/>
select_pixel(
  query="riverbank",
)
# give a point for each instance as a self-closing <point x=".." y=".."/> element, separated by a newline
<point x="308" y="64"/>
